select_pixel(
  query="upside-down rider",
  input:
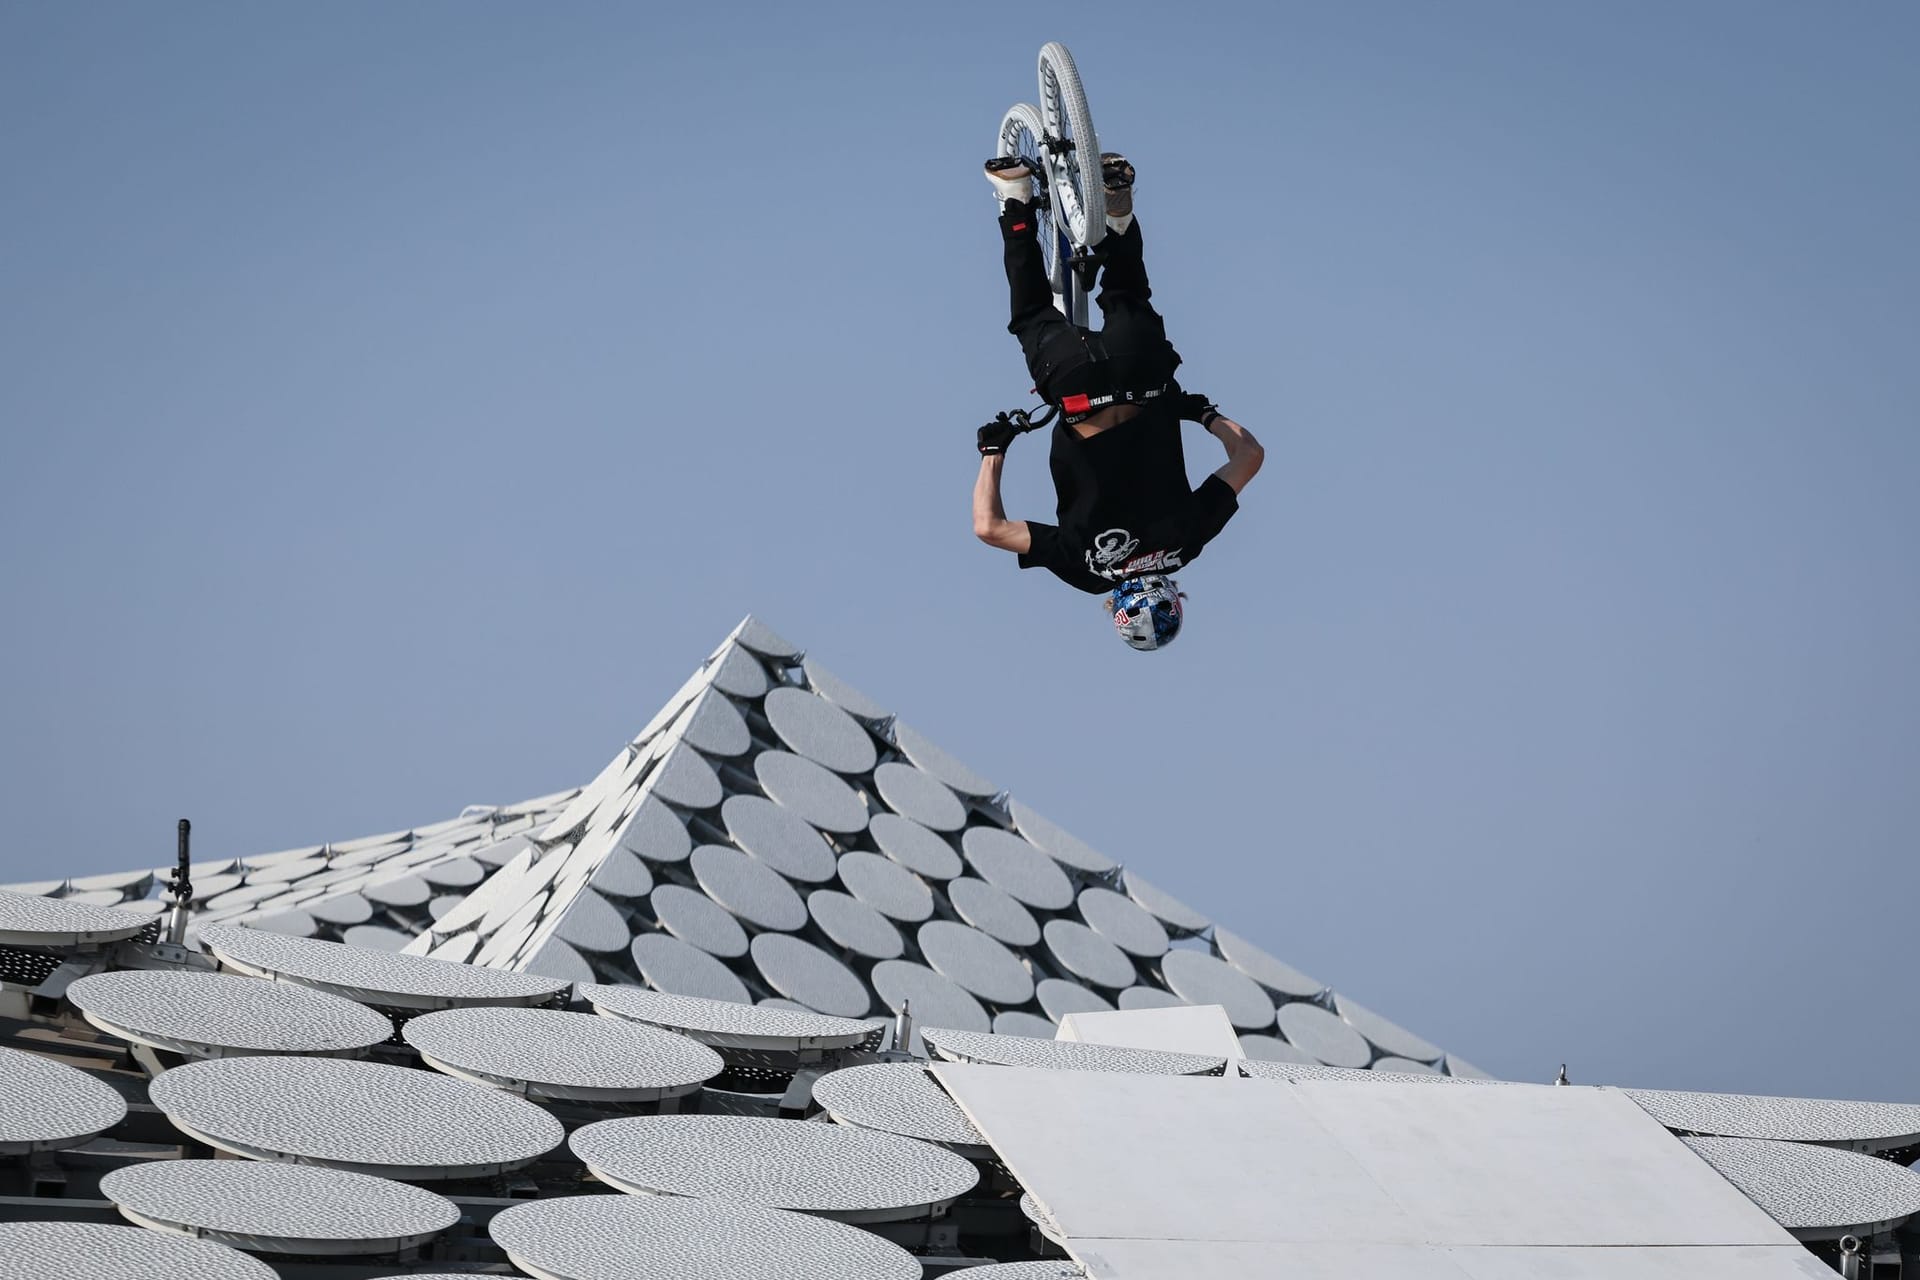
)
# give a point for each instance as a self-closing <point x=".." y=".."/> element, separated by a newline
<point x="1127" y="516"/>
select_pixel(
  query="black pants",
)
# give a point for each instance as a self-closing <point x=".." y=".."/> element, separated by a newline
<point x="1131" y="351"/>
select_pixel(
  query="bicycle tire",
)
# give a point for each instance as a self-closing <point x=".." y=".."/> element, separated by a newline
<point x="1020" y="133"/>
<point x="1080" y="201"/>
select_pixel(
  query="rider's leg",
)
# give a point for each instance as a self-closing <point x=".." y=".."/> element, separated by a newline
<point x="1134" y="333"/>
<point x="1055" y="350"/>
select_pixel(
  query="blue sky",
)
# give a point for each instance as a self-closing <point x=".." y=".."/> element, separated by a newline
<point x="399" y="401"/>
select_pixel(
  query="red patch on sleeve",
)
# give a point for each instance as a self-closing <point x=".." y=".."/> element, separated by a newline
<point x="1019" y="226"/>
<point x="1076" y="404"/>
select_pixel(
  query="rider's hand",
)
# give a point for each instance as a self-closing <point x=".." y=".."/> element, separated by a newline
<point x="996" y="436"/>
<point x="1195" y="407"/>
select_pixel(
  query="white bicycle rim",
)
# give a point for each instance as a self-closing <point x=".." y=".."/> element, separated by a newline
<point x="1020" y="135"/>
<point x="1079" y="200"/>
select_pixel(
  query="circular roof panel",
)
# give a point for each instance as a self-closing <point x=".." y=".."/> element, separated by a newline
<point x="212" y="1015"/>
<point x="671" y="966"/>
<point x="898" y="1097"/>
<point x="748" y="887"/>
<point x="655" y="833"/>
<point x="886" y="886"/>
<point x="1086" y="955"/>
<point x="811" y="726"/>
<point x="603" y="1237"/>
<point x="724" y="1023"/>
<point x="1275" y="975"/>
<point x="281" y="1208"/>
<point x="1181" y="920"/>
<point x="49" y="1106"/>
<point x="993" y="911"/>
<point x="841" y="694"/>
<point x="914" y="847"/>
<point x="366" y="1117"/>
<point x="1198" y="978"/>
<point x="1865" y="1126"/>
<point x="547" y="1053"/>
<point x="854" y="925"/>
<point x="811" y="791"/>
<point x="1059" y="844"/>
<point x="1123" y="922"/>
<point x="977" y="962"/>
<point x="917" y="748"/>
<point x="1310" y="1028"/>
<point x="698" y="920"/>
<point x="1007" y="862"/>
<point x="920" y="796"/>
<point x="1816" y="1192"/>
<point x="778" y="837"/>
<point x="27" y="920"/>
<point x="859" y="1175"/>
<point x="807" y="975"/>
<point x="122" y="1253"/>
<point x="931" y="998"/>
<point x="402" y="981"/>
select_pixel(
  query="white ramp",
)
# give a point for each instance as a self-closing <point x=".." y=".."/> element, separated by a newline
<point x="1156" y="1177"/>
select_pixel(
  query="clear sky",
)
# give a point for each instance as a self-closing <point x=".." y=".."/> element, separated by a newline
<point x="398" y="401"/>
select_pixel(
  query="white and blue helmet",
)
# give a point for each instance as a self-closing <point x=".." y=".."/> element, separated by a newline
<point x="1147" y="611"/>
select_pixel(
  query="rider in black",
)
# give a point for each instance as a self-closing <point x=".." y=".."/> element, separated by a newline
<point x="1126" y="513"/>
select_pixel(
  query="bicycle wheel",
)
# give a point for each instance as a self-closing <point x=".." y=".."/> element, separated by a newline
<point x="1073" y="156"/>
<point x="1020" y="135"/>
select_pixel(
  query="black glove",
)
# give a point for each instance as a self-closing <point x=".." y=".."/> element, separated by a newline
<point x="1195" y="407"/>
<point x="996" y="435"/>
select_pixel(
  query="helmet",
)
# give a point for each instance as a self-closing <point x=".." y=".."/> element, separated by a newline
<point x="1147" y="611"/>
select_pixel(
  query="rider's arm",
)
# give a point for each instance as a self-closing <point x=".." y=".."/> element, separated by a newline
<point x="990" y="523"/>
<point x="1244" y="454"/>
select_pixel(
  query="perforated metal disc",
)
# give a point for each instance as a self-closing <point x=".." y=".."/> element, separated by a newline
<point x="556" y="959"/>
<point x="811" y="791"/>
<point x="1864" y="1126"/>
<point x="1007" y="862"/>
<point x="852" y="924"/>
<point x="1059" y="844"/>
<point x="1815" y="1192"/>
<point x="1086" y="955"/>
<point x="1275" y="1069"/>
<point x="90" y="1251"/>
<point x="1058" y="997"/>
<point x="1275" y="975"/>
<point x="739" y="673"/>
<point x="749" y="888"/>
<point x="763" y="640"/>
<point x="932" y="998"/>
<point x="1049" y="1269"/>
<point x="545" y="1053"/>
<point x="915" y="848"/>
<point x="886" y="886"/>
<point x="923" y="753"/>
<point x="993" y="912"/>
<point x="726" y="1025"/>
<point x="455" y="873"/>
<point x="673" y="1238"/>
<point x="685" y="779"/>
<point x="859" y="1175"/>
<point x="367" y="1117"/>
<point x="622" y="875"/>
<point x="1123" y="922"/>
<point x="1405" y="1066"/>
<point x="1390" y="1038"/>
<point x="295" y="924"/>
<point x="375" y="937"/>
<point x="920" y="796"/>
<point x="811" y="726"/>
<point x="1180" y="919"/>
<point x="401" y="981"/>
<point x="898" y="1097"/>
<point x="591" y="923"/>
<point x="672" y="966"/>
<point x="778" y="837"/>
<point x="26" y="920"/>
<point x="50" y="1106"/>
<point x="1066" y="1055"/>
<point x="842" y="694"/>
<point x="1267" y="1049"/>
<point x="211" y="1015"/>
<point x="804" y="973"/>
<point x="1310" y="1028"/>
<point x="977" y="962"/>
<point x="712" y="724"/>
<point x="655" y="833"/>
<point x="287" y="872"/>
<point x="698" y="920"/>
<point x="279" y="1208"/>
<point x="1204" y="979"/>
<point x="1012" y="1022"/>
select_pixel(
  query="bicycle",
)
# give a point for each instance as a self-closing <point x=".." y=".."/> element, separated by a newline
<point x="1058" y="137"/>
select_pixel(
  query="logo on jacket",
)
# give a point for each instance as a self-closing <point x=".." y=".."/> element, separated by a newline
<point x="1112" y="556"/>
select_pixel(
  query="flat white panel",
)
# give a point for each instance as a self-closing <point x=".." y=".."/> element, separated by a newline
<point x="1533" y="1165"/>
<point x="1721" y="1262"/>
<point x="1242" y="1260"/>
<point x="1207" y="1159"/>
<point x="1181" y="1029"/>
<point x="1197" y="1159"/>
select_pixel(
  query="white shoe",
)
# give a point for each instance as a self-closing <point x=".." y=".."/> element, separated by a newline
<point x="1012" y="179"/>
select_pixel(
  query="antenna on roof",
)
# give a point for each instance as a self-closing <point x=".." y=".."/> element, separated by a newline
<point x="180" y="885"/>
<point x="903" y="1027"/>
<point x="1562" y="1077"/>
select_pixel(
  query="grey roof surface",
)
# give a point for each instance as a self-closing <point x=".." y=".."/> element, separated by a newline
<point x="92" y="1251"/>
<point x="214" y="1014"/>
<point x="47" y="1105"/>
<point x="284" y="1207"/>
